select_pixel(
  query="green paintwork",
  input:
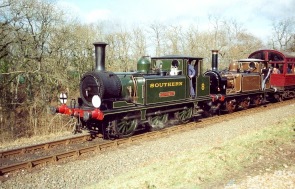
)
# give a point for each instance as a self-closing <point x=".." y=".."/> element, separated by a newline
<point x="140" y="82"/>
<point x="143" y="114"/>
<point x="203" y="86"/>
<point x="140" y="88"/>
<point x="120" y="104"/>
<point x="143" y="65"/>
<point x="163" y="89"/>
<point x="126" y="83"/>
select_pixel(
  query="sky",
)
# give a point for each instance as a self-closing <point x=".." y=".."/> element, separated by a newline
<point x="256" y="16"/>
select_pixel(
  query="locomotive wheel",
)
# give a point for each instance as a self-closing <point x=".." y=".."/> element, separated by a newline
<point x="158" y="121"/>
<point x="257" y="101"/>
<point x="120" y="127"/>
<point x="279" y="98"/>
<point x="126" y="128"/>
<point x="184" y="116"/>
<point x="245" y="104"/>
<point x="230" y="106"/>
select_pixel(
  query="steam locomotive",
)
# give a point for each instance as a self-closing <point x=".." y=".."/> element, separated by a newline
<point x="158" y="93"/>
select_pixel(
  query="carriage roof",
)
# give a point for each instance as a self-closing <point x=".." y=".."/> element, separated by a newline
<point x="274" y="56"/>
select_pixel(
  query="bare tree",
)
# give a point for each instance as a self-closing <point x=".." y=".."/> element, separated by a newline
<point x="157" y="37"/>
<point x="218" y="33"/>
<point x="283" y="34"/>
<point x="173" y="36"/>
<point x="139" y="44"/>
<point x="111" y="52"/>
<point x="124" y="48"/>
<point x="192" y="45"/>
<point x="5" y="28"/>
<point x="28" y="26"/>
<point x="232" y="40"/>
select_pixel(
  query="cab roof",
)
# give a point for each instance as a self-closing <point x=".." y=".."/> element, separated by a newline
<point x="177" y="57"/>
<point x="251" y="60"/>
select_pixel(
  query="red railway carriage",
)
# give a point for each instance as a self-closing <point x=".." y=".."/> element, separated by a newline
<point x="283" y="64"/>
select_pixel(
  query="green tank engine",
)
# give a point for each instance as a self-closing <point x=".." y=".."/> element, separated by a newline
<point x="117" y="104"/>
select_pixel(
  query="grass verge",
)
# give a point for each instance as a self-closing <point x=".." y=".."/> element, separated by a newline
<point x="265" y="150"/>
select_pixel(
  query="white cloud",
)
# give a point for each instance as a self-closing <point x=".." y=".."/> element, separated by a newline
<point x="96" y="15"/>
<point x="256" y="16"/>
<point x="85" y="11"/>
<point x="68" y="7"/>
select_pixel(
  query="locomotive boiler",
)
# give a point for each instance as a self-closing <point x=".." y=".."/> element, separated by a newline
<point x="117" y="104"/>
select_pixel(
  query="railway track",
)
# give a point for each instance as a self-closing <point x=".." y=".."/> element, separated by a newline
<point x="29" y="157"/>
<point x="44" y="146"/>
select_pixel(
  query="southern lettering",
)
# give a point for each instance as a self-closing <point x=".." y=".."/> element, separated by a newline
<point x="166" y="84"/>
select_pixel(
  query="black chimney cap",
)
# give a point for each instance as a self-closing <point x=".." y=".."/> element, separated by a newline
<point x="99" y="43"/>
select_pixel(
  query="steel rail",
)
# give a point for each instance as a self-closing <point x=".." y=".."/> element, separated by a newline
<point x="43" y="146"/>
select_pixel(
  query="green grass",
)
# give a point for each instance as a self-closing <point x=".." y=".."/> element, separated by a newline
<point x="202" y="167"/>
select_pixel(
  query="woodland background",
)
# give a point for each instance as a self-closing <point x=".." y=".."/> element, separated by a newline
<point x="44" y="51"/>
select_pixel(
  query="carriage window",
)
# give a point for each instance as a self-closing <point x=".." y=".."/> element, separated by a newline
<point x="281" y="66"/>
<point x="259" y="55"/>
<point x="275" y="57"/>
<point x="290" y="69"/>
<point x="277" y="69"/>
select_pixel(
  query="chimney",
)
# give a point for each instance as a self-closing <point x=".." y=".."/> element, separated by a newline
<point x="100" y="55"/>
<point x="214" y="60"/>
